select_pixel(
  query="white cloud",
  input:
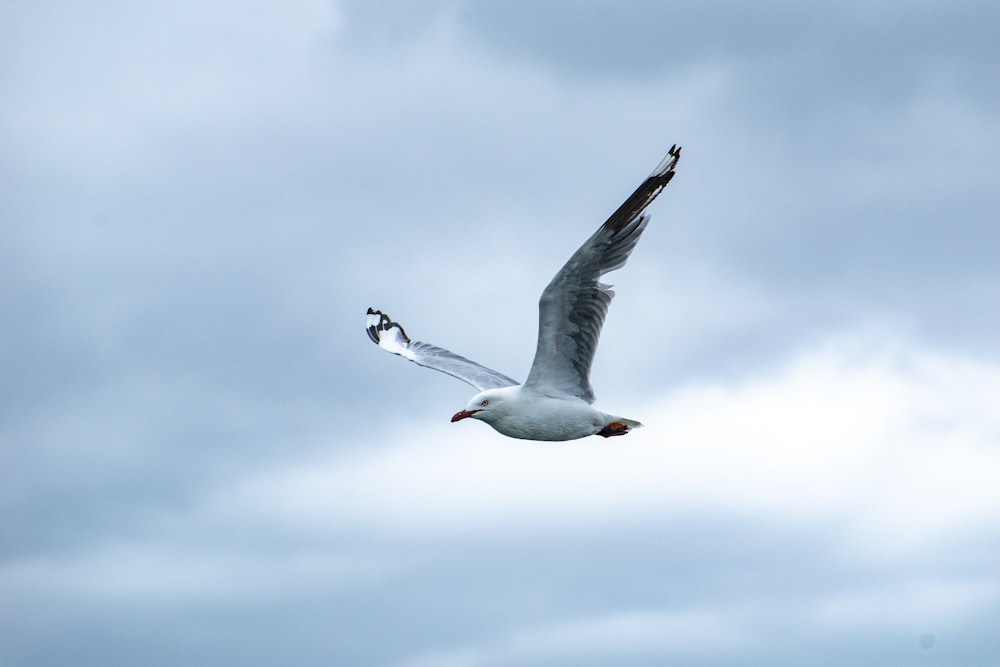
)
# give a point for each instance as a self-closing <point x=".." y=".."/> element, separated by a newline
<point x="941" y="604"/>
<point x="613" y="636"/>
<point x="639" y="631"/>
<point x="898" y="450"/>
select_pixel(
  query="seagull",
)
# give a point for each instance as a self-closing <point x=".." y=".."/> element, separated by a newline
<point x="555" y="402"/>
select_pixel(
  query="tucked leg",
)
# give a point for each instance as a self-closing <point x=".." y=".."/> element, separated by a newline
<point x="614" y="428"/>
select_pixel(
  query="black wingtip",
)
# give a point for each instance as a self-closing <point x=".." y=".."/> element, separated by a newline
<point x="384" y="323"/>
<point x="373" y="329"/>
<point x="644" y="195"/>
<point x="665" y="170"/>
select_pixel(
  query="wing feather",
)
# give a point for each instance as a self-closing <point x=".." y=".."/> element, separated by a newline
<point x="391" y="337"/>
<point x="573" y="306"/>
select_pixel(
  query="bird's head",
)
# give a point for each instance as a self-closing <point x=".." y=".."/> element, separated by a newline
<point x="485" y="406"/>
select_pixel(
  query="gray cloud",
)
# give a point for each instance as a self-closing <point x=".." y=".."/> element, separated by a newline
<point x="200" y="202"/>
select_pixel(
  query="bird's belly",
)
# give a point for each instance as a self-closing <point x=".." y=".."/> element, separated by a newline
<point x="552" y="425"/>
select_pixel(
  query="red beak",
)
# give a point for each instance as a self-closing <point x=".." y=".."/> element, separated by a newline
<point x="459" y="416"/>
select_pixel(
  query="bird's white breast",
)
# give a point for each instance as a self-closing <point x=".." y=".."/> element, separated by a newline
<point x="533" y="416"/>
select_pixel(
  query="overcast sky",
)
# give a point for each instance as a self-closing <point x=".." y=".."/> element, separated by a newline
<point x="204" y="461"/>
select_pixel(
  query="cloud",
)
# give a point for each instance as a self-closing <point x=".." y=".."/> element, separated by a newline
<point x="203" y="459"/>
<point x="820" y="437"/>
<point x="632" y="636"/>
<point x="719" y="520"/>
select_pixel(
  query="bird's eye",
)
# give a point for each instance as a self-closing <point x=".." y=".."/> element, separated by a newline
<point x="484" y="403"/>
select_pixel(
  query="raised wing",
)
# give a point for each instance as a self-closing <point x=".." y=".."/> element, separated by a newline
<point x="390" y="336"/>
<point x="572" y="308"/>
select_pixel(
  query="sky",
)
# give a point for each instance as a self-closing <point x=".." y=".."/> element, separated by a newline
<point x="204" y="461"/>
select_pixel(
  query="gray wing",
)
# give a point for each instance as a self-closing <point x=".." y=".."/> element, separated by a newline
<point x="572" y="308"/>
<point x="390" y="336"/>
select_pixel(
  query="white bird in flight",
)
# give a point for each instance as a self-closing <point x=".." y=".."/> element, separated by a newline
<point x="554" y="403"/>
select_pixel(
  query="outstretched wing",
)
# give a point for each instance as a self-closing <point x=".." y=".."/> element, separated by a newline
<point x="390" y="336"/>
<point x="572" y="308"/>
